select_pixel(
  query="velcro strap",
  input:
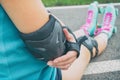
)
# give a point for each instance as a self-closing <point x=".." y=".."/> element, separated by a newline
<point x="89" y="43"/>
<point x="81" y="39"/>
<point x="70" y="32"/>
<point x="72" y="46"/>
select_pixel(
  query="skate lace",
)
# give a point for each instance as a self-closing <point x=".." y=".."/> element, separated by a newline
<point x="106" y="24"/>
<point x="86" y="26"/>
<point x="107" y="19"/>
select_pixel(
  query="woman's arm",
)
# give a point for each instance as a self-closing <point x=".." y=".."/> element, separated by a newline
<point x="27" y="15"/>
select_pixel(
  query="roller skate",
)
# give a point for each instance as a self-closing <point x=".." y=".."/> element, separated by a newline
<point x="108" y="24"/>
<point x="90" y="26"/>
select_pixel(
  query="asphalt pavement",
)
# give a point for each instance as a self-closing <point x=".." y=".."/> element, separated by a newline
<point x="107" y="65"/>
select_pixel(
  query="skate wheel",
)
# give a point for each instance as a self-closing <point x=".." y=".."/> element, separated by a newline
<point x="95" y="2"/>
<point x="115" y="30"/>
<point x="117" y="11"/>
<point x="101" y="10"/>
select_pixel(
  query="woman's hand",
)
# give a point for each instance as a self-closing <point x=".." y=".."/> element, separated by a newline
<point x="65" y="61"/>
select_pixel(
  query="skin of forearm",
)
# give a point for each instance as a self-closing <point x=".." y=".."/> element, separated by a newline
<point x="27" y="15"/>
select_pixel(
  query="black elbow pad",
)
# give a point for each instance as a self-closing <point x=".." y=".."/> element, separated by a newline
<point x="49" y="42"/>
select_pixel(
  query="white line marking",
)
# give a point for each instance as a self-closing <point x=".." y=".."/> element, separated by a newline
<point x="103" y="67"/>
<point x="79" y="6"/>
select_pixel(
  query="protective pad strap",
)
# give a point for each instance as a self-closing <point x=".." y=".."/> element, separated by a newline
<point x="90" y="43"/>
<point x="72" y="46"/>
<point x="69" y="31"/>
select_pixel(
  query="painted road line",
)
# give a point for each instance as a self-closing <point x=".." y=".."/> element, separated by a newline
<point x="103" y="67"/>
<point x="79" y="6"/>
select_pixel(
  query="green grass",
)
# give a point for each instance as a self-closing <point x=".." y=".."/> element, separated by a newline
<point x="50" y="3"/>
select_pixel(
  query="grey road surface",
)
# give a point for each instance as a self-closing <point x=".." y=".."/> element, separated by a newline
<point x="75" y="17"/>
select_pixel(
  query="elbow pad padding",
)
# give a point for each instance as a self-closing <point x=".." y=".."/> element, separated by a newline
<point x="49" y="44"/>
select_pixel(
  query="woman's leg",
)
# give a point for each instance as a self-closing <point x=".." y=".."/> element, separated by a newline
<point x="77" y="69"/>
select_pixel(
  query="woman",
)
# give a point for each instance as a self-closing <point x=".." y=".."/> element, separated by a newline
<point x="17" y="62"/>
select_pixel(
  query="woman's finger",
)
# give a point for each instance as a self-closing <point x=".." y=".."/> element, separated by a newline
<point x="65" y="67"/>
<point x="65" y="57"/>
<point x="68" y="35"/>
<point x="70" y="61"/>
<point x="50" y="63"/>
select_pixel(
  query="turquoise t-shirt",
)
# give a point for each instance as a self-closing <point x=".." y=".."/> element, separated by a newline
<point x="16" y="62"/>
